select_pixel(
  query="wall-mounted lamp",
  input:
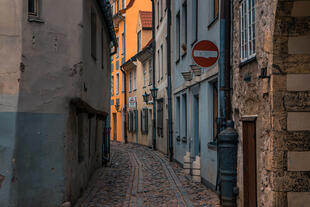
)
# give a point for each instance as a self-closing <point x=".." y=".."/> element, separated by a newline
<point x="146" y="97"/>
<point x="117" y="107"/>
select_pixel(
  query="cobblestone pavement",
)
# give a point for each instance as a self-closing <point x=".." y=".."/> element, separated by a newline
<point x="138" y="176"/>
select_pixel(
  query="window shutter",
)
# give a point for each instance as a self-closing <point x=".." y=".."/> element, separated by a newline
<point x="136" y="120"/>
<point x="141" y="121"/>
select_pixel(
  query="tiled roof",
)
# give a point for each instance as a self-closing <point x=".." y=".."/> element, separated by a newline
<point x="146" y="19"/>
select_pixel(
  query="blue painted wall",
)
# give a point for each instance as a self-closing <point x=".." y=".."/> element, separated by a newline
<point x="32" y="159"/>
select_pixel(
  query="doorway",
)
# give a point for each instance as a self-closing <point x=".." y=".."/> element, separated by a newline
<point x="196" y="126"/>
<point x="249" y="163"/>
<point x="115" y="127"/>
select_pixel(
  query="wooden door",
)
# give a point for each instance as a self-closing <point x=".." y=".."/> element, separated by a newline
<point x="249" y="164"/>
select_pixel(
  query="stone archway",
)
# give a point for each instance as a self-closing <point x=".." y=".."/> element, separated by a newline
<point x="290" y="92"/>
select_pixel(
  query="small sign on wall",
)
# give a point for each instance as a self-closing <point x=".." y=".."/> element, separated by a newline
<point x="132" y="102"/>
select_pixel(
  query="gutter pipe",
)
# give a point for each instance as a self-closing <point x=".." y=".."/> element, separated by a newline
<point x="170" y="132"/>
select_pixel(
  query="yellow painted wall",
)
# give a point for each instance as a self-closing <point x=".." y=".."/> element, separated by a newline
<point x="131" y="25"/>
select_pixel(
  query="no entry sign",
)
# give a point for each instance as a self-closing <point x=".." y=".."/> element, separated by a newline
<point x="205" y="53"/>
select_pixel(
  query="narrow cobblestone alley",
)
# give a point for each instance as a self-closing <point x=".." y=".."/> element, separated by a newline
<point x="138" y="176"/>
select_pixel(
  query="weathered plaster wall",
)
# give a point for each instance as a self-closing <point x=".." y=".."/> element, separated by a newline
<point x="42" y="69"/>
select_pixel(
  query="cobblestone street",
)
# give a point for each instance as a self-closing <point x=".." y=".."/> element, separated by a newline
<point x="138" y="176"/>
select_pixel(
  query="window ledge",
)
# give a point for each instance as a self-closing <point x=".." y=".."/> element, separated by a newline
<point x="250" y="60"/>
<point x="213" y="21"/>
<point x="35" y="19"/>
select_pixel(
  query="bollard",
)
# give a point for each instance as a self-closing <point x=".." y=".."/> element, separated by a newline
<point x="187" y="163"/>
<point x="228" y="146"/>
<point x="196" y="170"/>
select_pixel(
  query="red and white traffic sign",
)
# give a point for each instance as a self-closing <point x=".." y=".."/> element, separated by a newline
<point x="205" y="53"/>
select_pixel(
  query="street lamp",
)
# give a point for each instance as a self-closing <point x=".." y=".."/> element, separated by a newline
<point x="117" y="107"/>
<point x="146" y="97"/>
<point x="154" y="92"/>
<point x="154" y="95"/>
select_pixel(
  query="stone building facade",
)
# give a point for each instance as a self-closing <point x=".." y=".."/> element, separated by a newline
<point x="54" y="98"/>
<point x="270" y="104"/>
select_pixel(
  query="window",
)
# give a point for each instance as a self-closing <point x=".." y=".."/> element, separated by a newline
<point x="215" y="109"/>
<point x="178" y="38"/>
<point x="160" y="117"/>
<point x="184" y="27"/>
<point x="184" y="117"/>
<point x="93" y="34"/>
<point x="112" y="85"/>
<point x="112" y="67"/>
<point x="160" y="10"/>
<point x="194" y="20"/>
<point x="113" y="8"/>
<point x="144" y="74"/>
<point x="33" y="7"/>
<point x="162" y="61"/>
<point x="150" y="72"/>
<point x="159" y="64"/>
<point x="144" y="121"/>
<point x="117" y="65"/>
<point x="117" y="84"/>
<point x="139" y="41"/>
<point x="133" y="125"/>
<point x="117" y="50"/>
<point x="247" y="29"/>
<point x="117" y="5"/>
<point x="158" y="16"/>
<point x="134" y="80"/>
<point x="215" y="9"/>
<point x="123" y="4"/>
<point x="123" y="43"/>
<point x="130" y="81"/>
<point x="178" y="118"/>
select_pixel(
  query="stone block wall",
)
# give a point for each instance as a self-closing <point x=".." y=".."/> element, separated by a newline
<point x="280" y="101"/>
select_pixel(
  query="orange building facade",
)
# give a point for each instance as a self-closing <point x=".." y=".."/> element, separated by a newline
<point x="125" y="16"/>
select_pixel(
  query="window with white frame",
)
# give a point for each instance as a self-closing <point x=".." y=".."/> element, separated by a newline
<point x="247" y="29"/>
<point x="123" y="4"/>
<point x="117" y="49"/>
<point x="194" y="20"/>
<point x="117" y="84"/>
<point x="123" y="43"/>
<point x="139" y="44"/>
<point x="159" y="65"/>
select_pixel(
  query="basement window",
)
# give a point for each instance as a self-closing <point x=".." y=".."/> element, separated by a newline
<point x="247" y="29"/>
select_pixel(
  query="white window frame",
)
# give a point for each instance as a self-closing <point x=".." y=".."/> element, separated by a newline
<point x="123" y="4"/>
<point x="247" y="30"/>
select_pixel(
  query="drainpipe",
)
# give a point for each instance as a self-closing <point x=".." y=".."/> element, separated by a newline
<point x="125" y="106"/>
<point x="227" y="143"/>
<point x="170" y="132"/>
<point x="153" y="50"/>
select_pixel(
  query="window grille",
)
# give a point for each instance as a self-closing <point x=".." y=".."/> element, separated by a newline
<point x="247" y="29"/>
